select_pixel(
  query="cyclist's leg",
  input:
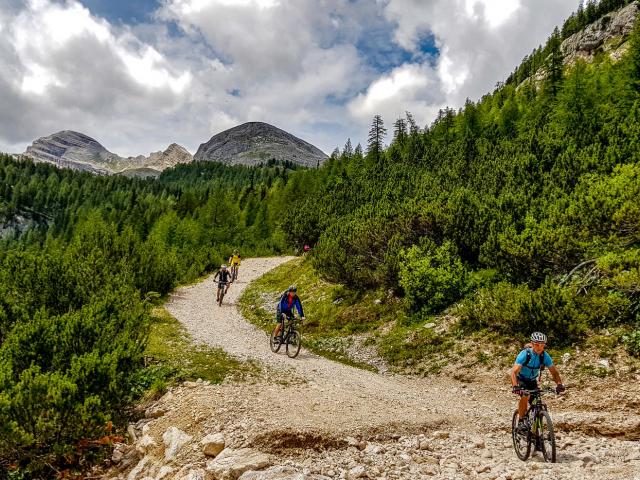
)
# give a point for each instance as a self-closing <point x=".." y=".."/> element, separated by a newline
<point x="280" y="326"/>
<point x="524" y="400"/>
<point x="218" y="293"/>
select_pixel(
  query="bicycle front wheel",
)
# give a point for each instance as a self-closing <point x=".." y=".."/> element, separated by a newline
<point x="293" y="345"/>
<point x="521" y="440"/>
<point x="547" y="437"/>
<point x="273" y="343"/>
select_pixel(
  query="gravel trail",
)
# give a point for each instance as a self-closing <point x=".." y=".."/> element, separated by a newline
<point x="320" y="419"/>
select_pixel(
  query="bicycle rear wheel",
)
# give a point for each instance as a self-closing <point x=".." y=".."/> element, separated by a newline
<point x="273" y="343"/>
<point x="547" y="437"/>
<point x="521" y="441"/>
<point x="293" y="344"/>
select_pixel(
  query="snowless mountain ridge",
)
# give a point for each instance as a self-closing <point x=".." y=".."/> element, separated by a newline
<point x="252" y="143"/>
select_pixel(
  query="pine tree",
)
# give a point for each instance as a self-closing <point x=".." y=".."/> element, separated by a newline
<point x="400" y="131"/>
<point x="347" y="151"/>
<point x="555" y="63"/>
<point x="376" y="136"/>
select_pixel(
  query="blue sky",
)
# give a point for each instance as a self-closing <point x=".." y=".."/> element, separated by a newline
<point x="123" y="11"/>
<point x="137" y="76"/>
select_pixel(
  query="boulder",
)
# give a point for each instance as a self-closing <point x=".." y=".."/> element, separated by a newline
<point x="212" y="444"/>
<point x="174" y="439"/>
<point x="231" y="463"/>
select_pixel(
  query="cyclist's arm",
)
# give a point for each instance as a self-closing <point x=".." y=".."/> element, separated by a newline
<point x="299" y="307"/>
<point x="555" y="374"/>
<point x="216" y="275"/>
<point x="514" y="374"/>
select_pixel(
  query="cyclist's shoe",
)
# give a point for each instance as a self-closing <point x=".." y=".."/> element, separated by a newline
<point x="522" y="427"/>
<point x="560" y="388"/>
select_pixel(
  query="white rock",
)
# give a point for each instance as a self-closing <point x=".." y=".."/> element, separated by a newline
<point x="231" y="463"/>
<point x="212" y="444"/>
<point x="604" y="363"/>
<point x="198" y="474"/>
<point x="357" y="472"/>
<point x="137" y="470"/>
<point x="441" y="434"/>
<point x="164" y="471"/>
<point x="145" y="444"/>
<point x="174" y="439"/>
<point x="566" y="357"/>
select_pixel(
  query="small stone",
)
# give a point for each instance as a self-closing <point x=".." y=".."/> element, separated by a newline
<point x="145" y="444"/>
<point x="588" y="459"/>
<point x="357" y="472"/>
<point x="566" y="357"/>
<point x="424" y="445"/>
<point x="155" y="412"/>
<point x="212" y="444"/>
<point x="483" y="469"/>
<point x="164" y="471"/>
<point x="478" y="442"/>
<point x="441" y="434"/>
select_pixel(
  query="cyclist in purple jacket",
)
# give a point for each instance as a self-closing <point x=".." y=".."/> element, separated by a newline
<point x="288" y="301"/>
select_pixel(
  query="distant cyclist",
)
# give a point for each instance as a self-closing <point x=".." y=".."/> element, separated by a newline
<point x="526" y="370"/>
<point x="224" y="278"/>
<point x="234" y="261"/>
<point x="288" y="301"/>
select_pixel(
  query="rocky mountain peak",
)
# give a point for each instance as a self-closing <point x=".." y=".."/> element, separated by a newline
<point x="75" y="150"/>
<point x="253" y="143"/>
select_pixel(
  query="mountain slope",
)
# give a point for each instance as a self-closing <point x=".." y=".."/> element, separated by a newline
<point x="69" y="149"/>
<point x="256" y="142"/>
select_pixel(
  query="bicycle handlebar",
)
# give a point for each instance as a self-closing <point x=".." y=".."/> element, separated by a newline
<point x="539" y="391"/>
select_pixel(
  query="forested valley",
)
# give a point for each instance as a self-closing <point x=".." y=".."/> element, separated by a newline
<point x="522" y="210"/>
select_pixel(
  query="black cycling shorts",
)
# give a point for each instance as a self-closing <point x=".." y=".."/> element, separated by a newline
<point x="528" y="383"/>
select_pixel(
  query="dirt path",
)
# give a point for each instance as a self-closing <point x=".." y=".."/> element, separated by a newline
<point x="325" y="419"/>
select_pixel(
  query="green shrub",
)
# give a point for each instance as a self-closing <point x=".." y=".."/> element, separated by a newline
<point x="632" y="342"/>
<point x="63" y="377"/>
<point x="432" y="277"/>
<point x="517" y="310"/>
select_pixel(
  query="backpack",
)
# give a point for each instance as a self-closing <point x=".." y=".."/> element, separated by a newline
<point x="530" y="355"/>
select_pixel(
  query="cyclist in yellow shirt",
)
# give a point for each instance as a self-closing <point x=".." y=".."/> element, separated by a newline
<point x="234" y="261"/>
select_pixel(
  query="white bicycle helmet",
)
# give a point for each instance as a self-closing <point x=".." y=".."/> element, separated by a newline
<point x="538" y="337"/>
<point x="223" y="267"/>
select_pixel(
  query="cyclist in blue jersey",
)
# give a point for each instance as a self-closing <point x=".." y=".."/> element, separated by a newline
<point x="526" y="370"/>
<point x="288" y="301"/>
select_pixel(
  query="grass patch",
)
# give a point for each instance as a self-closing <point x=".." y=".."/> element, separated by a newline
<point x="172" y="357"/>
<point x="334" y="313"/>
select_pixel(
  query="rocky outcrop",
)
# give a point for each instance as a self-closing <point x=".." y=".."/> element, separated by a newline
<point x="69" y="149"/>
<point x="606" y="34"/>
<point x="172" y="156"/>
<point x="254" y="143"/>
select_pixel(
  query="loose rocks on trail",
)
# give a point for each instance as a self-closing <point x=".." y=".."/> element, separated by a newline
<point x="311" y="418"/>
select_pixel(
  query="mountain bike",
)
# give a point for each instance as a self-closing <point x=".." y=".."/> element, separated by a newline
<point x="291" y="338"/>
<point x="221" y="292"/>
<point x="234" y="273"/>
<point x="539" y="431"/>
